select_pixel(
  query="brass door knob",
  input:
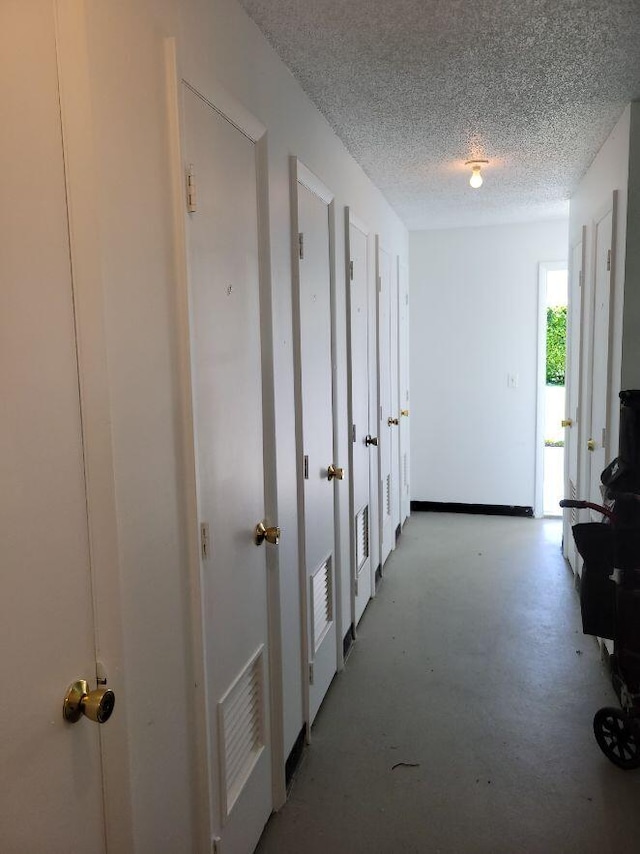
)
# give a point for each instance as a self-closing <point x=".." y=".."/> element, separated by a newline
<point x="371" y="440"/>
<point x="393" y="422"/>
<point x="262" y="533"/>
<point x="566" y="422"/>
<point x="96" y="705"/>
<point x="335" y="471"/>
<point x="591" y="445"/>
<point x="404" y="412"/>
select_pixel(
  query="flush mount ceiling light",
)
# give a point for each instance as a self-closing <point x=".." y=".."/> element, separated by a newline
<point x="476" y="178"/>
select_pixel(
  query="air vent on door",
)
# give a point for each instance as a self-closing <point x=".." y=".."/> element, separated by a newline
<point x="241" y="730"/>
<point x="362" y="537"/>
<point x="573" y="494"/>
<point x="387" y="495"/>
<point x="321" y="603"/>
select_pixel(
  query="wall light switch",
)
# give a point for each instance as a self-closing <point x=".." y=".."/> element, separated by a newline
<point x="512" y="380"/>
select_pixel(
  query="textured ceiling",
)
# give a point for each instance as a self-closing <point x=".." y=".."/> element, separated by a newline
<point x="416" y="87"/>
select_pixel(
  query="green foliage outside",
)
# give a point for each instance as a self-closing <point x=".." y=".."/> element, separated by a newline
<point x="556" y="344"/>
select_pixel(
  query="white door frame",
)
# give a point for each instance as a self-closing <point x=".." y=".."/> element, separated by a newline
<point x="88" y="290"/>
<point x="544" y="267"/>
<point x="300" y="173"/>
<point x="611" y="206"/>
<point x="227" y="106"/>
<point x="574" y="375"/>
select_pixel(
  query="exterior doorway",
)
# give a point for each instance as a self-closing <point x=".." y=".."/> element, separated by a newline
<point x="551" y="386"/>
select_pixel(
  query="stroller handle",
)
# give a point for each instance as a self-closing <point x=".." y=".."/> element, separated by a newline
<point x="587" y="505"/>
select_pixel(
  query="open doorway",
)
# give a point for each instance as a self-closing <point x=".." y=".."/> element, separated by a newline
<point x="553" y="299"/>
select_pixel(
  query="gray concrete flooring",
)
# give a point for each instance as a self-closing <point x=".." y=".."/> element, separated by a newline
<point x="471" y="667"/>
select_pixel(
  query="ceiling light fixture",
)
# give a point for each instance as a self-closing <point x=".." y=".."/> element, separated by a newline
<point x="476" y="178"/>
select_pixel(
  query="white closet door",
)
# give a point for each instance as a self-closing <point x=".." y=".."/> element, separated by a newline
<point x="387" y="429"/>
<point x="52" y="794"/>
<point x="313" y="300"/>
<point x="222" y="234"/>
<point x="361" y="446"/>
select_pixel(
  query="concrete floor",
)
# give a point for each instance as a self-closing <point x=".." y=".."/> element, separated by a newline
<point x="471" y="667"/>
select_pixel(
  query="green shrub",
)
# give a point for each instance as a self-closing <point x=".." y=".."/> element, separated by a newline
<point x="556" y="344"/>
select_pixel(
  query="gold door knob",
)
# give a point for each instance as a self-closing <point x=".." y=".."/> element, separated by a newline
<point x="262" y="533"/>
<point x="404" y="412"/>
<point x="96" y="705"/>
<point x="566" y="422"/>
<point x="393" y="422"/>
<point x="591" y="445"/>
<point x="371" y="440"/>
<point x="335" y="471"/>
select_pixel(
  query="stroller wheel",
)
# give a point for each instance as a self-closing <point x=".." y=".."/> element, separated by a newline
<point x="617" y="737"/>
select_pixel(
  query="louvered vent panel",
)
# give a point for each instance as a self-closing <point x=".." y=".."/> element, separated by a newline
<point x="241" y="729"/>
<point x="362" y="537"/>
<point x="321" y="603"/>
<point x="573" y="494"/>
<point x="387" y="497"/>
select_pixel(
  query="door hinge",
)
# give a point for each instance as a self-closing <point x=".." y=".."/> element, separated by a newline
<point x="604" y="437"/>
<point x="406" y="299"/>
<point x="380" y="283"/>
<point x="191" y="190"/>
<point x="306" y="466"/>
<point x="580" y="278"/>
<point x="351" y="271"/>
<point x="356" y="585"/>
<point x="311" y="673"/>
<point x="301" y="246"/>
<point x="353" y="433"/>
<point x="608" y="260"/>
<point x="204" y="540"/>
<point x="216" y="845"/>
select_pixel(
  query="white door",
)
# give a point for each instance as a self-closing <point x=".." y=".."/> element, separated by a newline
<point x="224" y="292"/>
<point x="573" y="398"/>
<point x="600" y="331"/>
<point x="312" y="298"/>
<point x="361" y="445"/>
<point x="387" y="429"/>
<point x="50" y="769"/>
<point x="403" y="403"/>
<point x="394" y="376"/>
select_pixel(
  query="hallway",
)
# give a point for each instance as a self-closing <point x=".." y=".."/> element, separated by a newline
<point x="472" y="677"/>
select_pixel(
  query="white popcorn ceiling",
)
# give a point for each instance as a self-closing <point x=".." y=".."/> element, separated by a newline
<point x="414" y="88"/>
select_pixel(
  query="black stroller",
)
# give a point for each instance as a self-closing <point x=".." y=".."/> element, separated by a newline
<point x="610" y="586"/>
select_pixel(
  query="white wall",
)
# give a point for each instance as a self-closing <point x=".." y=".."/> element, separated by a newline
<point x="215" y="42"/>
<point x="474" y="322"/>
